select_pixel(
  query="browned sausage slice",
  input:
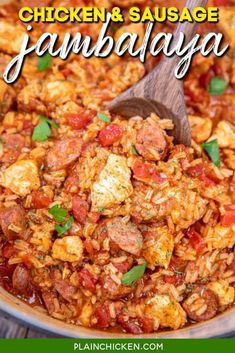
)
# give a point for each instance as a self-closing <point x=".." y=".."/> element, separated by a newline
<point x="20" y="278"/>
<point x="125" y="235"/>
<point x="63" y="153"/>
<point x="113" y="290"/>
<point x="202" y="304"/>
<point x="12" y="221"/>
<point x="151" y="143"/>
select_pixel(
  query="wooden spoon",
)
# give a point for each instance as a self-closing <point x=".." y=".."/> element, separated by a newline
<point x="160" y="91"/>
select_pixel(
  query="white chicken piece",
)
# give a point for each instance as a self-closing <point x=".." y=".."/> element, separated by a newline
<point x="225" y="135"/>
<point x="113" y="185"/>
<point x="21" y="177"/>
<point x="227" y="24"/>
<point x="224" y="292"/>
<point x="69" y="249"/>
<point x="85" y="316"/>
<point x="220" y="237"/>
<point x="42" y="236"/>
<point x="201" y="128"/>
<point x="159" y="247"/>
<point x="166" y="311"/>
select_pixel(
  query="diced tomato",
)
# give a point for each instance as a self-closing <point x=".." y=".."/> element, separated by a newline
<point x="102" y="316"/>
<point x="80" y="120"/>
<point x="195" y="240"/>
<point x="205" y="79"/>
<point x="122" y="267"/>
<point x="176" y="266"/>
<point x="88" y="280"/>
<point x="94" y="216"/>
<point x="228" y="219"/>
<point x="8" y="250"/>
<point x="146" y="171"/>
<point x="66" y="72"/>
<point x="147" y="324"/>
<point x="39" y="200"/>
<point x="112" y="133"/>
<point x="204" y="173"/>
<point x="221" y="2"/>
<point x="80" y="209"/>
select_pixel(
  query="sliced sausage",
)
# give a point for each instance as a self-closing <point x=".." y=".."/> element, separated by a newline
<point x="13" y="145"/>
<point x="113" y="290"/>
<point x="63" y="153"/>
<point x="49" y="299"/>
<point x="13" y="223"/>
<point x="202" y="304"/>
<point x="151" y="143"/>
<point x="65" y="289"/>
<point x="125" y="235"/>
<point x="80" y="209"/>
<point x="21" y="278"/>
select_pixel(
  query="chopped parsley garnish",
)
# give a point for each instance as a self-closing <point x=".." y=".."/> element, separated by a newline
<point x="101" y="209"/>
<point x="44" y="62"/>
<point x="134" y="150"/>
<point x="43" y="130"/>
<point x="169" y="253"/>
<point x="59" y="213"/>
<point x="62" y="229"/>
<point x="217" y="86"/>
<point x="212" y="150"/>
<point x="103" y="117"/>
<point x="1" y="140"/>
<point x="134" y="274"/>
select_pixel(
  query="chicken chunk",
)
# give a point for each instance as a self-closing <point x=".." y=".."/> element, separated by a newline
<point x="113" y="185"/>
<point x="166" y="311"/>
<point x="21" y="178"/>
<point x="68" y="249"/>
<point x="201" y="128"/>
<point x="225" y="135"/>
<point x="227" y="24"/>
<point x="159" y="247"/>
<point x="224" y="292"/>
<point x="86" y="313"/>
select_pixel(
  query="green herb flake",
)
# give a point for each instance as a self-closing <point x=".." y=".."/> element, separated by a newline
<point x="212" y="150"/>
<point x="62" y="229"/>
<point x="134" y="150"/>
<point x="169" y="253"/>
<point x="2" y="141"/>
<point x="103" y="117"/>
<point x="44" y="62"/>
<point x="134" y="274"/>
<point x="101" y="209"/>
<point x="43" y="130"/>
<point x="59" y="213"/>
<point x="217" y="86"/>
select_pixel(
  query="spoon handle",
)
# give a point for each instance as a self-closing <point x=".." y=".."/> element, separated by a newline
<point x="186" y="27"/>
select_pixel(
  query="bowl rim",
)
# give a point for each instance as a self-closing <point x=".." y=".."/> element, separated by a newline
<point x="220" y="326"/>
